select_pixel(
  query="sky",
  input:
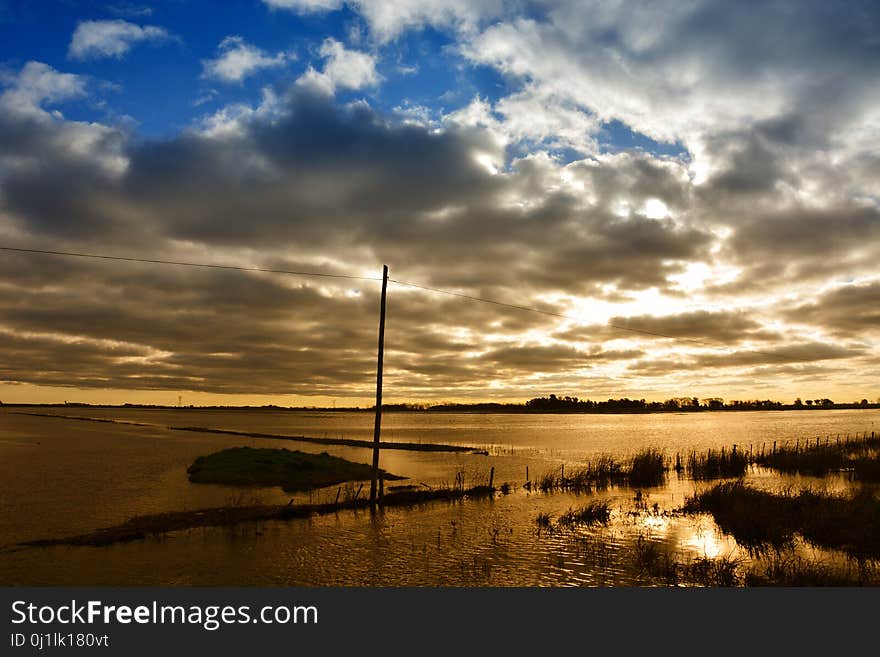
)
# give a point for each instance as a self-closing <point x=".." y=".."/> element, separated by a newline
<point x="688" y="190"/>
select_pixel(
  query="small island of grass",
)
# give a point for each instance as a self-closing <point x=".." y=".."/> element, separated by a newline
<point x="292" y="470"/>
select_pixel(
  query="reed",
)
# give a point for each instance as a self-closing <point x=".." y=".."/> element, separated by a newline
<point x="714" y="464"/>
<point x="857" y="453"/>
<point x="594" y="513"/>
<point x="760" y="519"/>
<point x="646" y="468"/>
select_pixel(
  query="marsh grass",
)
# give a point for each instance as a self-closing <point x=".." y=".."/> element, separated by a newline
<point x="866" y="468"/>
<point x="646" y="468"/>
<point x="594" y="513"/>
<point x="291" y="469"/>
<point x="714" y="464"/>
<point x="792" y="570"/>
<point x="653" y="562"/>
<point x="858" y="454"/>
<point x="760" y="519"/>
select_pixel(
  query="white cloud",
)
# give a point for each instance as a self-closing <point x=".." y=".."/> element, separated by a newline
<point x="233" y="120"/>
<point x="316" y="82"/>
<point x="239" y="59"/>
<point x="305" y="6"/>
<point x="350" y="69"/>
<point x="533" y="115"/>
<point x="697" y="73"/>
<point x="529" y="118"/>
<point x="389" y="18"/>
<point x="23" y="112"/>
<point x="39" y="83"/>
<point x="343" y="68"/>
<point x="95" y="39"/>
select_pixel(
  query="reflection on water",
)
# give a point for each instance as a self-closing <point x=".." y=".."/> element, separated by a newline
<point x="62" y="477"/>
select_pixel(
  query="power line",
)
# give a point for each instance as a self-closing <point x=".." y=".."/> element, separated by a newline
<point x="188" y="264"/>
<point x="481" y="299"/>
<point x="426" y="288"/>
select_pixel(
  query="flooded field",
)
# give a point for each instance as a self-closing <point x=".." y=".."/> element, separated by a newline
<point x="64" y="476"/>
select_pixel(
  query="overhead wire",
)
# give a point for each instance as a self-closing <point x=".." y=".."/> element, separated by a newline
<point x="181" y="263"/>
<point x="427" y="288"/>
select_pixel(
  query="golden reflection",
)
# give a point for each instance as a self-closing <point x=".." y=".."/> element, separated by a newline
<point x="656" y="523"/>
<point x="707" y="542"/>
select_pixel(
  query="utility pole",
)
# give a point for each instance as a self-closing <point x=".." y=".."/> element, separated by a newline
<point x="377" y="429"/>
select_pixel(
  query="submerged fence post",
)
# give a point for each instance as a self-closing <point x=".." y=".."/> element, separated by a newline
<point x="378" y="425"/>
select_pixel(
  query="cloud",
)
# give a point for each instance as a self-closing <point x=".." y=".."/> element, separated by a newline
<point x="848" y="310"/>
<point x="534" y="117"/>
<point x="238" y="59"/>
<point x="756" y="248"/>
<point x="343" y="69"/>
<point x="387" y="19"/>
<point x="305" y="6"/>
<point x="349" y="69"/>
<point x="38" y="83"/>
<point x="802" y="245"/>
<point x="671" y="70"/>
<point x="35" y="137"/>
<point x="793" y="359"/>
<point x="111" y="38"/>
<point x="310" y="186"/>
<point x="795" y="353"/>
<point x="703" y="326"/>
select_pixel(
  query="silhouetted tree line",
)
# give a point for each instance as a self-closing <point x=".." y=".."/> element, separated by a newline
<point x="567" y="404"/>
<point x="550" y="404"/>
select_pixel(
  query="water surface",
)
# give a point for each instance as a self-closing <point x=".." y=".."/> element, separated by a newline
<point x="64" y="476"/>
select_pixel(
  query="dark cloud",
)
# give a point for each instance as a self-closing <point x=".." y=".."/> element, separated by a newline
<point x="802" y="244"/>
<point x="549" y="358"/>
<point x="700" y="326"/>
<point x="850" y="310"/>
<point x="795" y="353"/>
<point x="797" y="362"/>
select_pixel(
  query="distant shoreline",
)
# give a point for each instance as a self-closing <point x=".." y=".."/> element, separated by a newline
<point x="483" y="408"/>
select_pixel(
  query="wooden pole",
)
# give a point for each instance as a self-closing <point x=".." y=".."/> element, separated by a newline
<point x="378" y="425"/>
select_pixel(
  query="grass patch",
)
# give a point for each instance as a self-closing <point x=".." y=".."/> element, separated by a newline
<point x="717" y="465"/>
<point x="647" y="468"/>
<point x="787" y="570"/>
<point x="292" y="470"/>
<point x="758" y="519"/>
<point x="594" y="513"/>
<point x="543" y="520"/>
<point x="859" y="454"/>
<point x="866" y="469"/>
